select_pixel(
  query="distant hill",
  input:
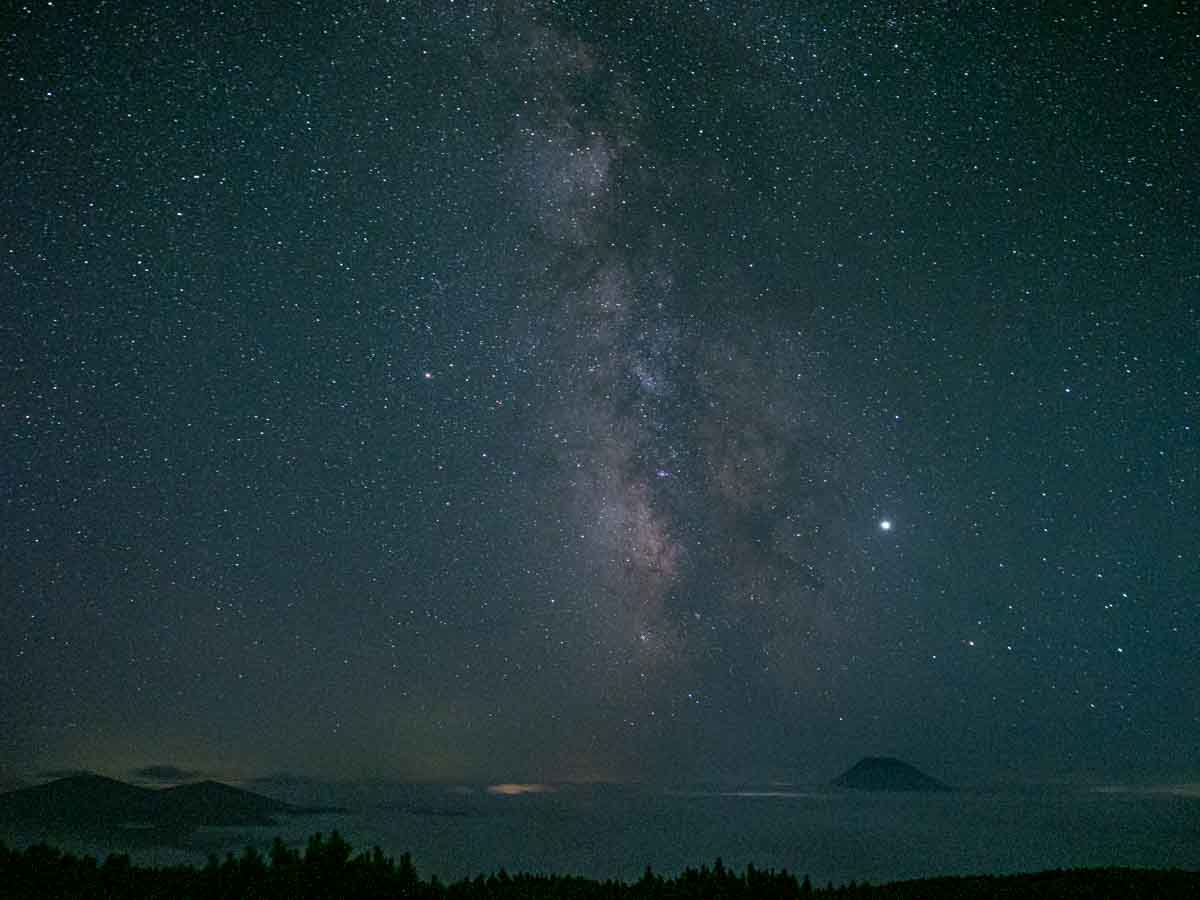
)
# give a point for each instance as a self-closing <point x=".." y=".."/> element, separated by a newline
<point x="95" y="805"/>
<point x="77" y="802"/>
<point x="883" y="773"/>
<point x="213" y="803"/>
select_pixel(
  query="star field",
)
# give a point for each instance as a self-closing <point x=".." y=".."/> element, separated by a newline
<point x="533" y="391"/>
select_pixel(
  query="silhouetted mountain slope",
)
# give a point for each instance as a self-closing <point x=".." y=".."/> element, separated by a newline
<point x="213" y="803"/>
<point x="883" y="773"/>
<point x="93" y="803"/>
<point x="80" y="801"/>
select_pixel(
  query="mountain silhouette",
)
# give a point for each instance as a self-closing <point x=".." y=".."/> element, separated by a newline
<point x="78" y="802"/>
<point x="213" y="803"/>
<point x="95" y="805"/>
<point x="883" y="773"/>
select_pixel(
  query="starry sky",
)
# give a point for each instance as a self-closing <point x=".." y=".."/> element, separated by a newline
<point x="581" y="391"/>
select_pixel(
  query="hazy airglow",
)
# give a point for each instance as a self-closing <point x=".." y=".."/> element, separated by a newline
<point x="509" y="789"/>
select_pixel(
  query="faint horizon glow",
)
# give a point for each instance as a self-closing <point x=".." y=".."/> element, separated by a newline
<point x="511" y="789"/>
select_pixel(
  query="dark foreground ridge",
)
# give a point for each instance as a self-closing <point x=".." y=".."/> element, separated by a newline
<point x="883" y="773"/>
<point x="329" y="868"/>
<point x="94" y="806"/>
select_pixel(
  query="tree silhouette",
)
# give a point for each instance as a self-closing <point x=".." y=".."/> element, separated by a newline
<point x="329" y="868"/>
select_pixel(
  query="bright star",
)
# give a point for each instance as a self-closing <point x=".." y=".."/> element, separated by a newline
<point x="885" y="524"/>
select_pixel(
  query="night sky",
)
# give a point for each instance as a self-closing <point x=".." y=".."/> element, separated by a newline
<point x="547" y="391"/>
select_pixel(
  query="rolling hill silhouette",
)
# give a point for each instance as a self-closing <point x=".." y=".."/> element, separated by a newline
<point x="883" y="773"/>
<point x="93" y="804"/>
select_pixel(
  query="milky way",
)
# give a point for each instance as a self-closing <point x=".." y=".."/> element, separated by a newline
<point x="703" y="484"/>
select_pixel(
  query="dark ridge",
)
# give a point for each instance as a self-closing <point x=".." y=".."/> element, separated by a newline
<point x="213" y="803"/>
<point x="92" y="804"/>
<point x="884" y="773"/>
<point x="79" y="802"/>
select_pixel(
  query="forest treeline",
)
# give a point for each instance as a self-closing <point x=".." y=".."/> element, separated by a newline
<point x="329" y="868"/>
